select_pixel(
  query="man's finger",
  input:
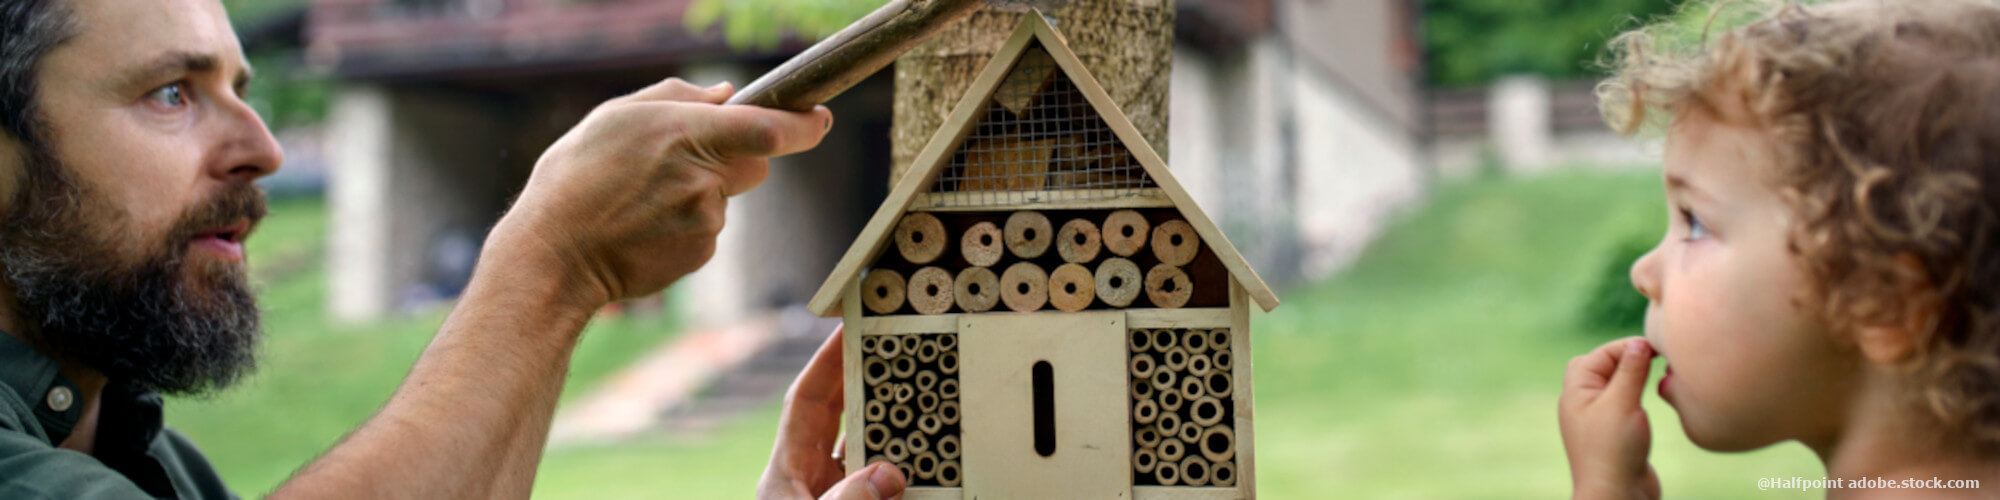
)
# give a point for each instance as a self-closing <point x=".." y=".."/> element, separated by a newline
<point x="1629" y="382"/>
<point x="874" y="482"/>
<point x="820" y="384"/>
<point x="753" y="132"/>
<point x="678" y="90"/>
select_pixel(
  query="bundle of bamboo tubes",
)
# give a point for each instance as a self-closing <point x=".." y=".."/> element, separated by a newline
<point x="1182" y="407"/>
<point x="912" y="413"/>
<point x="1004" y="265"/>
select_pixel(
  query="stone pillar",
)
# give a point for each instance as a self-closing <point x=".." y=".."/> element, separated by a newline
<point x="1518" y="119"/>
<point x="359" y="137"/>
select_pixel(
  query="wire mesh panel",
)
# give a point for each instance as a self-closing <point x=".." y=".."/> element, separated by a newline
<point x="1040" y="141"/>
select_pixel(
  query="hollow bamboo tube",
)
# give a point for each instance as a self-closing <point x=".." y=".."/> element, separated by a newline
<point x="926" y="464"/>
<point x="1167" y="475"/>
<point x="947" y="341"/>
<point x="1222" y="360"/>
<point x="1168" y="425"/>
<point x="875" y="436"/>
<point x="1193" y="388"/>
<point x="903" y="366"/>
<point x="1144" y="460"/>
<point x="927" y="351"/>
<point x="1142" y="389"/>
<point x="1118" y="282"/>
<point x="875" y="411"/>
<point x="910" y="343"/>
<point x="920" y="237"/>
<point x="930" y="423"/>
<point x="1223" y="474"/>
<point x="868" y="344"/>
<point x="1219" y="339"/>
<point x="904" y="393"/>
<point x="977" y="289"/>
<point x="895" y="450"/>
<point x="1220" y="385"/>
<point x="1218" y="443"/>
<point x="948" y="362"/>
<point x="1139" y="340"/>
<point x="874" y="459"/>
<point x="1170" y="402"/>
<point x="917" y="443"/>
<point x="900" y="416"/>
<point x="889" y="347"/>
<point x="1175" y="359"/>
<point x="1163" y="339"/>
<point x="1029" y="234"/>
<point x="982" y="245"/>
<point x="947" y="447"/>
<point x="1194" y="471"/>
<point x="926" y="380"/>
<point x="1145" y="412"/>
<point x="1168" y="287"/>
<point x="1195" y="341"/>
<point x="1142" y="365"/>
<point x="1171" y="449"/>
<point x="1071" y="288"/>
<point x="1200" y="365"/>
<point x="1175" y="243"/>
<point x="949" y="474"/>
<point x="1024" y="287"/>
<point x="948" y="412"/>
<point x="1164" y="380"/>
<point x="885" y="392"/>
<point x="1079" y="241"/>
<point x="930" y="291"/>
<point x="1147" y="437"/>
<point x="1190" y="432"/>
<point x="1125" y="232"/>
<point x="948" y="388"/>
<point x="927" y="402"/>
<point x="882" y="291"/>
<point x="874" y="370"/>
<point x="904" y="467"/>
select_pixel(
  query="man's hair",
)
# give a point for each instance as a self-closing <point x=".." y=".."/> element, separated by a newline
<point x="1886" y="121"/>
<point x="33" y="28"/>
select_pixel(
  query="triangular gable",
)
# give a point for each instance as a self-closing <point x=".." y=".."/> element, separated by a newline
<point x="950" y="146"/>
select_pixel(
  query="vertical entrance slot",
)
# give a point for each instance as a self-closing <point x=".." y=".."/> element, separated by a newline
<point x="1045" y="408"/>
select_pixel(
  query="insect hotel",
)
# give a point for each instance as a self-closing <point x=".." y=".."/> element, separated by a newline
<point x="1038" y="310"/>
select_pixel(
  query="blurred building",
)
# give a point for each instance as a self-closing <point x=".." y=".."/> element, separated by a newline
<point x="1295" y="123"/>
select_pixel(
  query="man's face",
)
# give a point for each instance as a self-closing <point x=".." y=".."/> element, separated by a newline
<point x="127" y="255"/>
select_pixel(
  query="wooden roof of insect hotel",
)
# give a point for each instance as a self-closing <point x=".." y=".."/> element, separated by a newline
<point x="1035" y="131"/>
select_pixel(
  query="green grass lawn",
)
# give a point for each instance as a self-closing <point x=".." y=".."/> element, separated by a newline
<point x="1428" y="370"/>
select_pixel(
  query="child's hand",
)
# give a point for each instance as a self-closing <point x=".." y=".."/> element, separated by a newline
<point x="1603" y="428"/>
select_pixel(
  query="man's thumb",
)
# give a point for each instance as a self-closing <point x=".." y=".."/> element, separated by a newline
<point x="878" y="481"/>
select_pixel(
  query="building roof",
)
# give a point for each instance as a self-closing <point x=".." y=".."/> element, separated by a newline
<point x="937" y="156"/>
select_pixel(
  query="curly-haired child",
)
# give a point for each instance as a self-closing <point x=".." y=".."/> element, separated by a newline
<point x="1831" y="271"/>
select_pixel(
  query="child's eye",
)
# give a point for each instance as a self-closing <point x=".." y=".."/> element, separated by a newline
<point x="1696" y="230"/>
<point x="174" y="95"/>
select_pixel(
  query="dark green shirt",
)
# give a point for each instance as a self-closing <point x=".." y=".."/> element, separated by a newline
<point x="136" y="456"/>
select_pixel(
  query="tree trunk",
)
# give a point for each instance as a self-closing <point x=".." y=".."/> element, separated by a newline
<point x="1127" y="44"/>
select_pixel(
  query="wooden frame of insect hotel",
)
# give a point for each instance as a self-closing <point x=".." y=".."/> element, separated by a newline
<point x="1039" y="310"/>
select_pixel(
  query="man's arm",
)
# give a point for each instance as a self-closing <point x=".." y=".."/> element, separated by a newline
<point x="628" y="202"/>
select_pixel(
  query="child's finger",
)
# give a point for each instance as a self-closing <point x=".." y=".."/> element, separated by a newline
<point x="1629" y="382"/>
<point x="1593" y="370"/>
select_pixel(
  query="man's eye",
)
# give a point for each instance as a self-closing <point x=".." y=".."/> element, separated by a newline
<point x="1696" y="230"/>
<point x="173" y="95"/>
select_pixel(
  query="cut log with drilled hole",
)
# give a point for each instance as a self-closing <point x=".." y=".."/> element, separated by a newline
<point x="1072" y="288"/>
<point x="1029" y="234"/>
<point x="1168" y="287"/>
<point x="882" y="291"/>
<point x="1125" y="232"/>
<point x="921" y="237"/>
<point x="982" y="245"/>
<point x="1175" y="243"/>
<point x="1118" y="282"/>
<point x="1024" y="287"/>
<point x="977" y="289"/>
<point x="1079" y="241"/>
<point x="930" y="291"/>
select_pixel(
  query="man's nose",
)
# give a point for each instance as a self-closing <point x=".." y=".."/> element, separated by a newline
<point x="248" y="150"/>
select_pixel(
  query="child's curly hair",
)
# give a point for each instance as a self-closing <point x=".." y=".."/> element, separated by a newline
<point x="1887" y="120"/>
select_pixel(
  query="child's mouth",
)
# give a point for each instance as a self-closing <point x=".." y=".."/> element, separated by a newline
<point x="1664" y="379"/>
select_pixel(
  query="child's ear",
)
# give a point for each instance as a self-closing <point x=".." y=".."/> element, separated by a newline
<point x="1896" y="340"/>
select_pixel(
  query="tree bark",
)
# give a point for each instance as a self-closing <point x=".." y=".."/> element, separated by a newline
<point x="1126" y="44"/>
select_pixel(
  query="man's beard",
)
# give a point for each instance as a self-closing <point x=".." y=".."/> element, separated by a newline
<point x="165" y="322"/>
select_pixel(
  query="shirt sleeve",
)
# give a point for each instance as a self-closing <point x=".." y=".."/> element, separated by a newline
<point x="32" y="469"/>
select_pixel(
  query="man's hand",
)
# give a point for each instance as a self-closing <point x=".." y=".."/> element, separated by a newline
<point x="632" y="198"/>
<point x="1604" y="430"/>
<point x="803" y="463"/>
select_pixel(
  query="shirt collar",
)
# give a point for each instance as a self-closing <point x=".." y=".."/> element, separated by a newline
<point x="38" y="380"/>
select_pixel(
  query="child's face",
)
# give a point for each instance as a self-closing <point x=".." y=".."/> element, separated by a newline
<point x="1746" y="365"/>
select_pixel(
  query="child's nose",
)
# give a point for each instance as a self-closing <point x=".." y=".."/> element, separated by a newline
<point x="1646" y="275"/>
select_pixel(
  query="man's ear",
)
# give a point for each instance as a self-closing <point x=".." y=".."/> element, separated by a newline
<point x="1896" y="340"/>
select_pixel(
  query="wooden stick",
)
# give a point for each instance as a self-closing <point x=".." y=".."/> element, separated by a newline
<point x="1024" y="287"/>
<point x="930" y="291"/>
<point x="1168" y="287"/>
<point x="1071" y="288"/>
<point x="1207" y="411"/>
<point x="1118" y="282"/>
<point x="1175" y="243"/>
<point x="1218" y="444"/>
<point x="982" y="245"/>
<point x="1125" y="232"/>
<point x="1079" y="241"/>
<point x="977" y="290"/>
<point x="882" y="291"/>
<point x="921" y="237"/>
<point x="1029" y="234"/>
<point x="1194" y="471"/>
